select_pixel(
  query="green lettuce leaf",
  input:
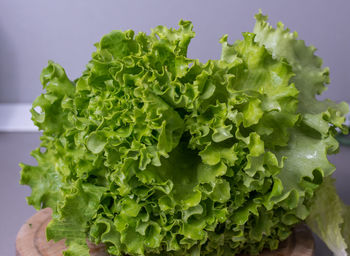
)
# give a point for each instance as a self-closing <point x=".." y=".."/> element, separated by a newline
<point x="330" y="218"/>
<point x="306" y="163"/>
<point x="71" y="222"/>
<point x="43" y="179"/>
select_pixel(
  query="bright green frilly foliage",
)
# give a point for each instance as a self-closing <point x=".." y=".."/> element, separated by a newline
<point x="153" y="153"/>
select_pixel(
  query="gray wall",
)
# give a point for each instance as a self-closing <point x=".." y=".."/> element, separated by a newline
<point x="32" y="32"/>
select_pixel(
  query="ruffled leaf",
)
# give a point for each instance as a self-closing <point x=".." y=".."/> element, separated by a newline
<point x="330" y="218"/>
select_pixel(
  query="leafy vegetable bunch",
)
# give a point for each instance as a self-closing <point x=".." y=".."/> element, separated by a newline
<point x="153" y="153"/>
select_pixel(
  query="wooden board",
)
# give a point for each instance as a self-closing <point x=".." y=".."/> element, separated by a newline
<point x="31" y="240"/>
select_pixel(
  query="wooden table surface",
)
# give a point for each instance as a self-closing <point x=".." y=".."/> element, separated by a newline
<point x="31" y="241"/>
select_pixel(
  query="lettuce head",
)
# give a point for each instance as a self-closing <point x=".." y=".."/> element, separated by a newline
<point x="153" y="153"/>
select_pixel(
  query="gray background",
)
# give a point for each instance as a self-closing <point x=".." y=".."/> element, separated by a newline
<point x="32" y="32"/>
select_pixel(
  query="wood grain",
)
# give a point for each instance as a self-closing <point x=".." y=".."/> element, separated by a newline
<point x="31" y="241"/>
